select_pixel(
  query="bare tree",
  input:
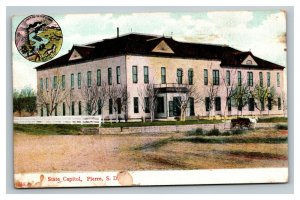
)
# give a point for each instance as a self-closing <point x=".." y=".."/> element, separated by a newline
<point x="51" y="97"/>
<point x="114" y="95"/>
<point x="148" y="95"/>
<point x="212" y="93"/>
<point x="188" y="92"/>
<point x="241" y="95"/>
<point x="125" y="100"/>
<point x="260" y="95"/>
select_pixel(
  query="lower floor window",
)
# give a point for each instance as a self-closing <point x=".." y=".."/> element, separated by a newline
<point x="251" y="104"/>
<point x="279" y="103"/>
<point x="79" y="108"/>
<point x="160" y="105"/>
<point x="270" y="103"/>
<point x="218" y="103"/>
<point x="192" y="107"/>
<point x="42" y="112"/>
<point x="229" y="104"/>
<point x="171" y="110"/>
<point x="207" y="103"/>
<point x="119" y="105"/>
<point x="73" y="108"/>
<point x="136" y="105"/>
<point x="110" y="106"/>
<point x="64" y="108"/>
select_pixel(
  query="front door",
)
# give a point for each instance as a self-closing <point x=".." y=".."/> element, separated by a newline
<point x="176" y="106"/>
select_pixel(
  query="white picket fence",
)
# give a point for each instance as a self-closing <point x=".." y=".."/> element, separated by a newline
<point x="59" y="120"/>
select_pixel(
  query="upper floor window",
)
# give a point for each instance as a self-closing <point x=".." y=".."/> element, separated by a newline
<point x="250" y="78"/>
<point x="191" y="76"/>
<point x="205" y="77"/>
<point x="46" y="83"/>
<point x="72" y="81"/>
<point x="118" y="75"/>
<point x="146" y="74"/>
<point x="163" y="75"/>
<point x="98" y="77"/>
<point x="179" y="75"/>
<point x="79" y="80"/>
<point x="89" y="78"/>
<point x="228" y="77"/>
<point x="261" y="79"/>
<point x="134" y="74"/>
<point x="239" y="78"/>
<point x="278" y="79"/>
<point x="41" y="84"/>
<point x="109" y="76"/>
<point x="54" y="82"/>
<point x="216" y="77"/>
<point x="268" y="79"/>
<point x="249" y="62"/>
<point x="63" y="82"/>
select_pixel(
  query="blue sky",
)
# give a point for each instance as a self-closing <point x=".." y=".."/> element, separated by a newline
<point x="262" y="32"/>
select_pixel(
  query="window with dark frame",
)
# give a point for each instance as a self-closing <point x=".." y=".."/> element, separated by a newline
<point x="163" y="75"/>
<point x="146" y="74"/>
<point x="218" y="103"/>
<point x="228" y="77"/>
<point x="41" y="84"/>
<point x="240" y="105"/>
<point x="46" y="83"/>
<point x="160" y="105"/>
<point x="261" y="79"/>
<point x="63" y="82"/>
<point x="135" y="104"/>
<point x="270" y="103"/>
<point x="98" y="77"/>
<point x="251" y="104"/>
<point x="89" y="78"/>
<point x="118" y="74"/>
<point x="42" y="112"/>
<point x="229" y="104"/>
<point x="55" y="109"/>
<point x="147" y="109"/>
<point x="279" y="103"/>
<point x="250" y="78"/>
<point x="171" y="109"/>
<point x="179" y="75"/>
<point x="109" y="76"/>
<point x="79" y="80"/>
<point x="64" y="108"/>
<point x="239" y="78"/>
<point x="134" y="74"/>
<point x="110" y="102"/>
<point x="191" y="76"/>
<point x="119" y="105"/>
<point x="278" y="79"/>
<point x="79" y="108"/>
<point x="55" y="82"/>
<point x="99" y="106"/>
<point x="216" y="78"/>
<point x="73" y="108"/>
<point x="268" y="79"/>
<point x="72" y="81"/>
<point x="207" y="104"/>
<point x="192" y="106"/>
<point x="205" y="77"/>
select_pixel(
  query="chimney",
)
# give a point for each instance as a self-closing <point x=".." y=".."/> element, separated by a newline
<point x="117" y="31"/>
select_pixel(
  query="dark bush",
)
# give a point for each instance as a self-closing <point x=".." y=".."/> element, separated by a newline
<point x="237" y="132"/>
<point x="213" y="132"/>
<point x="198" y="131"/>
<point x="282" y="127"/>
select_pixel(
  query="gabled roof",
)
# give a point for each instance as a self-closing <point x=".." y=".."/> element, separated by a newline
<point x="140" y="44"/>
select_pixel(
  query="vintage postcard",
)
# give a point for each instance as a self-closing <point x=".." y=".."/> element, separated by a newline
<point x="133" y="99"/>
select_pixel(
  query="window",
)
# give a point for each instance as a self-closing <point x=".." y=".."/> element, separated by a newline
<point x="251" y="104"/>
<point x="279" y="103"/>
<point x="99" y="106"/>
<point x="89" y="108"/>
<point x="270" y="103"/>
<point x="63" y="81"/>
<point x="135" y="104"/>
<point x="46" y="83"/>
<point x="228" y="77"/>
<point x="262" y="105"/>
<point x="261" y="79"/>
<point x="72" y="81"/>
<point x="190" y="75"/>
<point x="229" y="104"/>
<point x="239" y="78"/>
<point x="118" y="74"/>
<point x="54" y="83"/>
<point x="119" y="105"/>
<point x="160" y="105"/>
<point x="98" y="77"/>
<point x="147" y="110"/>
<point x="146" y="74"/>
<point x="73" y="108"/>
<point x="176" y="106"/>
<point x="89" y="78"/>
<point x="134" y="74"/>
<point x="207" y="103"/>
<point x="109" y="76"/>
<point x="179" y="76"/>
<point x="171" y="110"/>
<point x="79" y="80"/>
<point x="42" y="112"/>
<point x="41" y="84"/>
<point x="268" y="79"/>
<point x="250" y="78"/>
<point x="55" y="109"/>
<point x="249" y="62"/>
<point x="205" y="77"/>
<point x="240" y="104"/>
<point x="163" y="75"/>
<point x="110" y="106"/>
<point x="218" y="103"/>
<point x="216" y="77"/>
<point x="47" y="109"/>
<point x="64" y="108"/>
<point x="192" y="107"/>
<point x="278" y="79"/>
<point x="79" y="108"/>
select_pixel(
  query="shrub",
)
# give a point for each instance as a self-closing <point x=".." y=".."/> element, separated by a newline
<point x="198" y="131"/>
<point x="237" y="132"/>
<point x="282" y="127"/>
<point x="213" y="132"/>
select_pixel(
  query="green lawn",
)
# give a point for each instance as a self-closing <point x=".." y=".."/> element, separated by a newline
<point x="272" y="120"/>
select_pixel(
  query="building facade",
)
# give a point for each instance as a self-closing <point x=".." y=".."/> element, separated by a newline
<point x="131" y="62"/>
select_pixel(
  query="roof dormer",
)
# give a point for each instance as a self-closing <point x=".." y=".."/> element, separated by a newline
<point x="162" y="47"/>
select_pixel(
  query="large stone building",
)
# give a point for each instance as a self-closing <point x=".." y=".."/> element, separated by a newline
<point x="134" y="61"/>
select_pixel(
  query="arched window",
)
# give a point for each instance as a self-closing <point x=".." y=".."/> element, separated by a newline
<point x="179" y="75"/>
<point x="249" y="62"/>
<point x="191" y="75"/>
